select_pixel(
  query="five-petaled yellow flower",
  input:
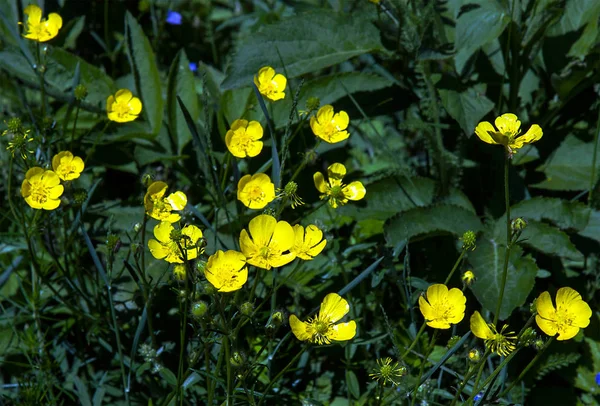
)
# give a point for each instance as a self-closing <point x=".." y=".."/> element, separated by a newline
<point x="171" y="244"/>
<point x="256" y="191"/>
<point x="159" y="207"/>
<point x="322" y="328"/>
<point x="308" y="242"/>
<point x="497" y="342"/>
<point x="243" y="137"/>
<point x="123" y="107"/>
<point x="571" y="313"/>
<point x="269" y="84"/>
<point x="41" y="30"/>
<point x="41" y="189"/>
<point x="226" y="271"/>
<point x="67" y="166"/>
<point x="507" y="133"/>
<point x="443" y="307"/>
<point x="328" y="126"/>
<point x="334" y="190"/>
<point x="270" y="243"/>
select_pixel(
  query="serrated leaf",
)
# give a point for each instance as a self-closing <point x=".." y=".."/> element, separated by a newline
<point x="181" y="83"/>
<point x="550" y="241"/>
<point x="439" y="219"/>
<point x="468" y="107"/>
<point x="570" y="167"/>
<point x="592" y="228"/>
<point x="576" y="14"/>
<point x="487" y="262"/>
<point x="562" y="213"/>
<point x="145" y="72"/>
<point x="307" y="42"/>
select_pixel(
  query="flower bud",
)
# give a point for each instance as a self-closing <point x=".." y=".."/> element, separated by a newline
<point x="113" y="243"/>
<point x="474" y="355"/>
<point x="237" y="359"/>
<point x="79" y="196"/>
<point x="468" y="277"/>
<point x="137" y="227"/>
<point x="452" y="341"/>
<point x="199" y="309"/>
<point x="469" y="238"/>
<point x="518" y="224"/>
<point x="179" y="272"/>
<point x="80" y="92"/>
<point x="246" y="308"/>
<point x="312" y="103"/>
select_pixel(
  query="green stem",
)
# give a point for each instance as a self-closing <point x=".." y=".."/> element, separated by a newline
<point x="594" y="158"/>
<point x="422" y="367"/>
<point x="75" y="124"/>
<point x="280" y="374"/>
<point x="528" y="367"/>
<point x="40" y="70"/>
<point x="477" y="389"/>
<point x="412" y="345"/>
<point x="462" y="254"/>
<point x="508" y="239"/>
<point x="469" y="375"/>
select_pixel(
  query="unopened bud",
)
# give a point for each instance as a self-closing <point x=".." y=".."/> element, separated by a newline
<point x="237" y="359"/>
<point x="474" y="355"/>
<point x="246" y="308"/>
<point x="518" y="224"/>
<point x="469" y="238"/>
<point x="80" y="92"/>
<point x="199" y="309"/>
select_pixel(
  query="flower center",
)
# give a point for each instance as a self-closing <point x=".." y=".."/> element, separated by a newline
<point x="256" y="193"/>
<point x="241" y="140"/>
<point x="39" y="192"/>
<point x="122" y="109"/>
<point x="320" y="330"/>
<point x="564" y="320"/>
<point x="265" y="252"/>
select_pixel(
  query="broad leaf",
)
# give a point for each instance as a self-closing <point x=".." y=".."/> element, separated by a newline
<point x="550" y="241"/>
<point x="562" y="213"/>
<point x="468" y="107"/>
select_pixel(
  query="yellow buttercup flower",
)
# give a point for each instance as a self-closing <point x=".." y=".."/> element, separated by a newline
<point x="334" y="190"/>
<point x="322" y="328"/>
<point x="159" y="207"/>
<point x="497" y="342"/>
<point x="508" y="133"/>
<point x="443" y="307"/>
<point x="308" y="243"/>
<point x="256" y="191"/>
<point x="123" y="106"/>
<point x="41" y="30"/>
<point x="243" y="137"/>
<point x="328" y="126"/>
<point x="41" y="189"/>
<point x="270" y="243"/>
<point x="571" y="314"/>
<point x="67" y="166"/>
<point x="269" y="84"/>
<point x="226" y="271"/>
<point x="171" y="244"/>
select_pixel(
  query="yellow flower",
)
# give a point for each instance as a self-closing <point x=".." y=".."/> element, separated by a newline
<point x="242" y="138"/>
<point x="41" y="189"/>
<point x="67" y="166"/>
<point x="270" y="243"/>
<point x="468" y="277"/>
<point x="269" y="84"/>
<point x="123" y="106"/>
<point x="41" y="30"/>
<point x="443" y="307"/>
<point x="256" y="191"/>
<point x="509" y="128"/>
<point x="179" y="272"/>
<point x="321" y="329"/>
<point x="308" y="243"/>
<point x="159" y="207"/>
<point x="334" y="190"/>
<point x="172" y="242"/>
<point x="328" y="126"/>
<point x="571" y="314"/>
<point x="497" y="342"/>
<point x="226" y="271"/>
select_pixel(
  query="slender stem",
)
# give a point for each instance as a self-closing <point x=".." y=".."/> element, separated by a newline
<point x="489" y="379"/>
<point x="594" y="158"/>
<point x="75" y="123"/>
<point x="462" y="254"/>
<point x="280" y="374"/>
<point x="528" y="367"/>
<point x="412" y="345"/>
<point x="183" y="311"/>
<point x="478" y="377"/>
<point x="508" y="239"/>
<point x="422" y="367"/>
<point x="469" y="375"/>
<point x="40" y="70"/>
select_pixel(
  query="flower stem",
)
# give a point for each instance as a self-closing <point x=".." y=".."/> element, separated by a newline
<point x="280" y="374"/>
<point x="412" y="345"/>
<point x="422" y="367"/>
<point x="462" y="254"/>
<point x="75" y="124"/>
<point x="40" y="70"/>
<point x="477" y="367"/>
<point x="508" y="239"/>
<point x="477" y="389"/>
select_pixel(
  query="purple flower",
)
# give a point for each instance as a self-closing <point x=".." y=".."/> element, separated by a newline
<point x="478" y="397"/>
<point x="193" y="66"/>
<point x="173" y="17"/>
<point x="598" y="378"/>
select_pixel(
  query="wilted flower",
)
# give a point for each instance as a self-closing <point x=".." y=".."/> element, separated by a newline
<point x="328" y="126"/>
<point x="226" y="271"/>
<point x="269" y="242"/>
<point x="290" y="192"/>
<point x="509" y="128"/>
<point x="443" y="307"/>
<point x="256" y="191"/>
<point x="123" y="106"/>
<point x="269" y="84"/>
<point x="497" y="342"/>
<point x="171" y="244"/>
<point x="67" y="166"/>
<point x="41" y="189"/>
<point x="41" y="30"/>
<point x="308" y="243"/>
<point x="242" y="139"/>
<point x="571" y="313"/>
<point x="388" y="371"/>
<point x="159" y="207"/>
<point x="321" y="329"/>
<point x="334" y="190"/>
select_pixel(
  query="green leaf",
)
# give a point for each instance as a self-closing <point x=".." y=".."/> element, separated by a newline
<point x="487" y="262"/>
<point x="468" y="107"/>
<point x="562" y="213"/>
<point x="570" y="167"/>
<point x="576" y="14"/>
<point x="592" y="229"/>
<point x="75" y="27"/>
<point x="307" y="42"/>
<point x="145" y="72"/>
<point x="550" y="241"/>
<point x="181" y="82"/>
<point x="352" y="382"/>
<point x="439" y="219"/>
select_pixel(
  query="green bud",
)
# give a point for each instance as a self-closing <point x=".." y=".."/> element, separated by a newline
<point x="200" y="266"/>
<point x="247" y="308"/>
<point x="15" y="126"/>
<point x="80" y="92"/>
<point x="518" y="224"/>
<point x="199" y="309"/>
<point x="469" y="238"/>
<point x="277" y="318"/>
<point x="474" y="355"/>
<point x="313" y="103"/>
<point x="538" y="344"/>
<point x="147" y="179"/>
<point x="237" y="359"/>
<point x="113" y="243"/>
<point x="528" y="337"/>
<point x="452" y="341"/>
<point x="137" y="227"/>
<point x="79" y="196"/>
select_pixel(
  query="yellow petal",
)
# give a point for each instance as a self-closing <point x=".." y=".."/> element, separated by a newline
<point x="441" y="324"/>
<point x="341" y="120"/>
<point x="333" y="308"/>
<point x="544" y="306"/>
<point x="274" y="96"/>
<point x="123" y="96"/>
<point x="277" y="261"/>
<point x="51" y="204"/>
<point x="320" y="184"/>
<point x="336" y="171"/>
<point x="262" y="228"/>
<point x="426" y="309"/>
<point x="33" y="13"/>
<point x="298" y="328"/>
<point x="582" y="312"/>
<point x="532" y="135"/>
<point x="508" y="124"/>
<point x="193" y="232"/>
<point x="479" y="327"/>
<point x="135" y="106"/>
<point x="325" y="114"/>
<point x="483" y="131"/>
<point x="177" y="200"/>
<point x="437" y="293"/>
<point x="283" y="236"/>
<point x="249" y="249"/>
<point x="162" y="231"/>
<point x="565" y="297"/>
<point x="254" y="130"/>
<point x="265" y="74"/>
<point x="157" y="250"/>
<point x="56" y="191"/>
<point x="342" y="331"/>
<point x="35" y="171"/>
<point x="567" y="333"/>
<point x="354" y="191"/>
<point x="280" y="81"/>
<point x="157" y="189"/>
<point x="50" y="178"/>
<point x="254" y="148"/>
<point x="547" y="326"/>
<point x="337" y="137"/>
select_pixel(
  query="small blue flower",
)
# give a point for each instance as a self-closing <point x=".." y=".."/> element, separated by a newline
<point x="598" y="378"/>
<point x="478" y="397"/>
<point x="173" y="17"/>
<point x="193" y="66"/>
